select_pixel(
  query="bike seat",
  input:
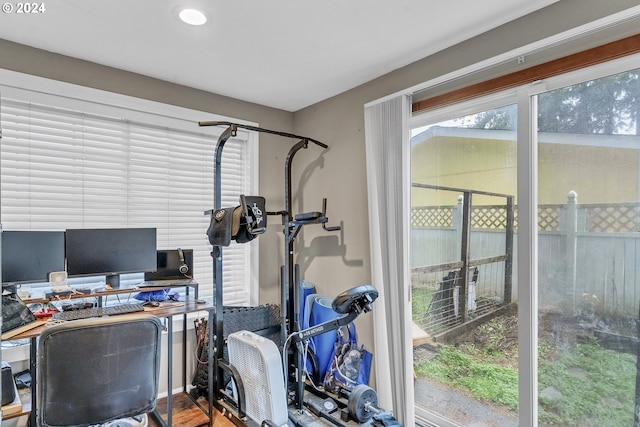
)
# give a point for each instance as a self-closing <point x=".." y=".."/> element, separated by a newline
<point x="355" y="299"/>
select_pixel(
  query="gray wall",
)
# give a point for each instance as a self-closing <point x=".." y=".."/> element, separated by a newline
<point x="334" y="261"/>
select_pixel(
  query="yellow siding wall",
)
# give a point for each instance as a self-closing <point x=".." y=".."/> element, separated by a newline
<point x="597" y="174"/>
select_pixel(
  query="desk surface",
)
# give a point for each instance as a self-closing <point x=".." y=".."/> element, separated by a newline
<point x="167" y="309"/>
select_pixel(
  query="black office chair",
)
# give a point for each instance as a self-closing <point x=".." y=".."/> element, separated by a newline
<point x="93" y="371"/>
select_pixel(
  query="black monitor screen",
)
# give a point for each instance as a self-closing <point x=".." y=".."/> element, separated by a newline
<point x="110" y="251"/>
<point x="29" y="256"/>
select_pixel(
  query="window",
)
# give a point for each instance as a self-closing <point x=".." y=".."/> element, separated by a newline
<point x="576" y="230"/>
<point x="463" y="179"/>
<point x="79" y="158"/>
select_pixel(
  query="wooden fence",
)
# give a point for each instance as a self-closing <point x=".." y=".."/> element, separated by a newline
<point x="588" y="254"/>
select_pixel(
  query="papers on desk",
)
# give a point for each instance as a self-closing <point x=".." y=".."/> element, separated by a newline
<point x="163" y="305"/>
<point x="24" y="328"/>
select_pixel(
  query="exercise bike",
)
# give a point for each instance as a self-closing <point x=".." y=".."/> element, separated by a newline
<point x="306" y="408"/>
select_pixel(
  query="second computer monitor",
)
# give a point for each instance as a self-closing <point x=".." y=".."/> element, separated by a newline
<point x="110" y="252"/>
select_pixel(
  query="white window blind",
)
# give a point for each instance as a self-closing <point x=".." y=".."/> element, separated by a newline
<point x="73" y="163"/>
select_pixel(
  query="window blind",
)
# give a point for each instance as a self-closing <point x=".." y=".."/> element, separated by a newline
<point x="65" y="167"/>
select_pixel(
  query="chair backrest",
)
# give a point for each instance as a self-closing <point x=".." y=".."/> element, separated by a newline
<point x="92" y="371"/>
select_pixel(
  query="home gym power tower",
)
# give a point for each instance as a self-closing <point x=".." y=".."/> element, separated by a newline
<point x="289" y="275"/>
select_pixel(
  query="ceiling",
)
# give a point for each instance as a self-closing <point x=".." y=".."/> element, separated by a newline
<point x="286" y="54"/>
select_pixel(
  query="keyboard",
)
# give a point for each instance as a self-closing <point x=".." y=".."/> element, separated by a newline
<point x="110" y="310"/>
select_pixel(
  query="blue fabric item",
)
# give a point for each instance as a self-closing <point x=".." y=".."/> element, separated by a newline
<point x="350" y="365"/>
<point x="161" y="295"/>
<point x="320" y="311"/>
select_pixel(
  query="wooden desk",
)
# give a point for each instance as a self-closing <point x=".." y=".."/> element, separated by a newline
<point x="165" y="310"/>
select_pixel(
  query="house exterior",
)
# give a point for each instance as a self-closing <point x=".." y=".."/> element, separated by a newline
<point x="485" y="160"/>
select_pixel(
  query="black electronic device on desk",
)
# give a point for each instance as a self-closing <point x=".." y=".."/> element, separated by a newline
<point x="172" y="264"/>
<point x="174" y="268"/>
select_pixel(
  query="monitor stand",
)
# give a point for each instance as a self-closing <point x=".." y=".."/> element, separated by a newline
<point x="113" y="280"/>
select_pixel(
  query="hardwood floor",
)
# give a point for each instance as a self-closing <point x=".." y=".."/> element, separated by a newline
<point x="187" y="414"/>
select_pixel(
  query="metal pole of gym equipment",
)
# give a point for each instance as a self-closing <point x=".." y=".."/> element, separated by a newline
<point x="290" y="281"/>
<point x="216" y="340"/>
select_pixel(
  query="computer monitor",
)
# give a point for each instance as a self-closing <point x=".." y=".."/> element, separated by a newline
<point x="110" y="252"/>
<point x="29" y="256"/>
<point x="171" y="265"/>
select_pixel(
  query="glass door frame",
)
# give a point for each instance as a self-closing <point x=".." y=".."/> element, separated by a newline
<point x="527" y="195"/>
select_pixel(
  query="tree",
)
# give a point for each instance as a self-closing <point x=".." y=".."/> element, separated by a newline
<point x="610" y="105"/>
<point x="498" y="119"/>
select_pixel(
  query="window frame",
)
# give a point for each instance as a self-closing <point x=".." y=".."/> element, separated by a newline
<point x="137" y="110"/>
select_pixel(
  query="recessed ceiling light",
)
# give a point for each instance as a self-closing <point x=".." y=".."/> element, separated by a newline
<point x="192" y="16"/>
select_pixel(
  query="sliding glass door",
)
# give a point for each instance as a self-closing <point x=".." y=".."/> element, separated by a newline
<point x="525" y="249"/>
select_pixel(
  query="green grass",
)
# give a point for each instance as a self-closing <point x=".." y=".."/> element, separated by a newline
<point x="592" y="386"/>
<point x="596" y="385"/>
<point x="485" y="381"/>
<point x="420" y="301"/>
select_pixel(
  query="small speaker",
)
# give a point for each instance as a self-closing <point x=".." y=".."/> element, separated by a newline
<point x="58" y="281"/>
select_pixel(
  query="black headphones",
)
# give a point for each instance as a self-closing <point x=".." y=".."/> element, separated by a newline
<point x="184" y="268"/>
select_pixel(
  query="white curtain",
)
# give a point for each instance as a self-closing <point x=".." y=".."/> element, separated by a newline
<point x="388" y="175"/>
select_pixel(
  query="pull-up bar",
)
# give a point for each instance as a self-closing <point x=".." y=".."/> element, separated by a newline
<point x="235" y="126"/>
